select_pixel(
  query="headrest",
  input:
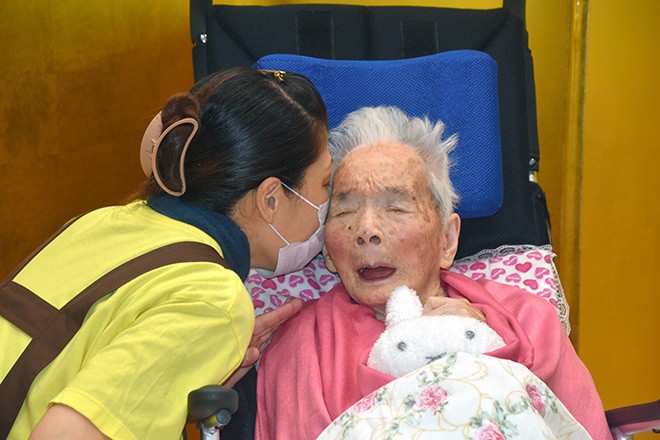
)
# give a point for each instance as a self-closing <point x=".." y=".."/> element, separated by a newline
<point x="456" y="87"/>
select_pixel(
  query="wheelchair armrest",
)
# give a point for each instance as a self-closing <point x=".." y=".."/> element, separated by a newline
<point x="212" y="405"/>
<point x="628" y="420"/>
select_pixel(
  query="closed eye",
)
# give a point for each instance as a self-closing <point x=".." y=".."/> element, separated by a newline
<point x="399" y="205"/>
<point x="339" y="209"/>
<point x="396" y="209"/>
<point x="340" y="212"/>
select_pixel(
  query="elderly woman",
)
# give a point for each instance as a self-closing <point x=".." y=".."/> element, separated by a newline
<point x="390" y="223"/>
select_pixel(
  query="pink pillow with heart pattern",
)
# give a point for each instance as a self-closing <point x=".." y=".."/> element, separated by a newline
<point x="528" y="267"/>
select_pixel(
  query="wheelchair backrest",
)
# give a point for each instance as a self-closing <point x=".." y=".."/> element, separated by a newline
<point x="458" y="88"/>
<point x="240" y="35"/>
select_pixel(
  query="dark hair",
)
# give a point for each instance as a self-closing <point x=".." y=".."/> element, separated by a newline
<point x="252" y="125"/>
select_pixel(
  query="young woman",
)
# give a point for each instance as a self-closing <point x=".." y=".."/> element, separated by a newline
<point x="108" y="326"/>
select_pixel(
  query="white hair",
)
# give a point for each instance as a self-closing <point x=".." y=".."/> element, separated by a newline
<point x="371" y="124"/>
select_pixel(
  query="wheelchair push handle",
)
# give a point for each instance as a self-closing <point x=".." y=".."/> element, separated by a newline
<point x="211" y="407"/>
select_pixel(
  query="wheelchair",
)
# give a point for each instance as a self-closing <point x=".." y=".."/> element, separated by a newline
<point x="228" y="36"/>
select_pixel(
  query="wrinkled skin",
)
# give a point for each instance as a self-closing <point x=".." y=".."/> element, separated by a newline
<point x="383" y="228"/>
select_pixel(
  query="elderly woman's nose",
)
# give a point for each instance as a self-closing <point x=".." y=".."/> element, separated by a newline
<point x="369" y="228"/>
<point x="374" y="239"/>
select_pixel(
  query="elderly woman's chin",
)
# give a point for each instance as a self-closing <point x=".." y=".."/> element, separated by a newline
<point x="372" y="285"/>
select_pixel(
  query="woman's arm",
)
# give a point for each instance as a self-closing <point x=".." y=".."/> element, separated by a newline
<point x="63" y="422"/>
<point x="264" y="327"/>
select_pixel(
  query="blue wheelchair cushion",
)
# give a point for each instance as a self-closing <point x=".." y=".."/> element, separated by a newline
<point x="456" y="87"/>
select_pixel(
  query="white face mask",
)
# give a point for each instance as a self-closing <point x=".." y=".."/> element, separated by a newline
<point x="294" y="256"/>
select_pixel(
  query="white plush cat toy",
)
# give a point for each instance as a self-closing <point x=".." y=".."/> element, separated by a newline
<point x="411" y="340"/>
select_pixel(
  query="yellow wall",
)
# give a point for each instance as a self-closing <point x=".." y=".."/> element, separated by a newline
<point x="619" y="320"/>
<point x="80" y="80"/>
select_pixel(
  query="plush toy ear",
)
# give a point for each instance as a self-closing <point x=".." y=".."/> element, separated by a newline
<point x="402" y="304"/>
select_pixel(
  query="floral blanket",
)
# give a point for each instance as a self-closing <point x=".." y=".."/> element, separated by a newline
<point x="460" y="396"/>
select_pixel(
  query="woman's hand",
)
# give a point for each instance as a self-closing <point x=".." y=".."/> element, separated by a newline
<point x="264" y="327"/>
<point x="443" y="305"/>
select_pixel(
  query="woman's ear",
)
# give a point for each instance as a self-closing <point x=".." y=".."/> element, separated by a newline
<point x="267" y="197"/>
<point x="328" y="261"/>
<point x="452" y="231"/>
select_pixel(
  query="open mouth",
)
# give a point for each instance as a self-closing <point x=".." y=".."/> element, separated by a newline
<point x="375" y="273"/>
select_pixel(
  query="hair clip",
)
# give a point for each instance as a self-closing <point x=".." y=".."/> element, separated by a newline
<point x="278" y="74"/>
<point x="149" y="150"/>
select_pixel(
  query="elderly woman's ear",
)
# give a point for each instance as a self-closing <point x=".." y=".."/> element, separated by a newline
<point x="328" y="261"/>
<point x="451" y="232"/>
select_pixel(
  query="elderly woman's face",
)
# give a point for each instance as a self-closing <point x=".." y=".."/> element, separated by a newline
<point x="383" y="228"/>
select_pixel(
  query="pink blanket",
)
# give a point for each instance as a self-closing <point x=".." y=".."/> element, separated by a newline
<point x="315" y="366"/>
